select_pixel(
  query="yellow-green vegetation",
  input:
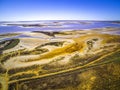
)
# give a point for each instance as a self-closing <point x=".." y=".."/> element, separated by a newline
<point x="9" y="44"/>
<point x="87" y="62"/>
<point x="51" y="43"/>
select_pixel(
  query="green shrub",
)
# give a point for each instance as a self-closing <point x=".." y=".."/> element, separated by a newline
<point x="12" y="44"/>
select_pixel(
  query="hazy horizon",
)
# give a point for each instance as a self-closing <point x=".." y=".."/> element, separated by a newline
<point x="53" y="20"/>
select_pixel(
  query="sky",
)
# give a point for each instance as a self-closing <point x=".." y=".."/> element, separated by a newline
<point x="27" y="10"/>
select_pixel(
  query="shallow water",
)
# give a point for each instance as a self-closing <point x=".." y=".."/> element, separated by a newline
<point x="55" y="25"/>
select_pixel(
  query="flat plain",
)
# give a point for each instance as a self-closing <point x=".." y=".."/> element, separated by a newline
<point x="60" y="60"/>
